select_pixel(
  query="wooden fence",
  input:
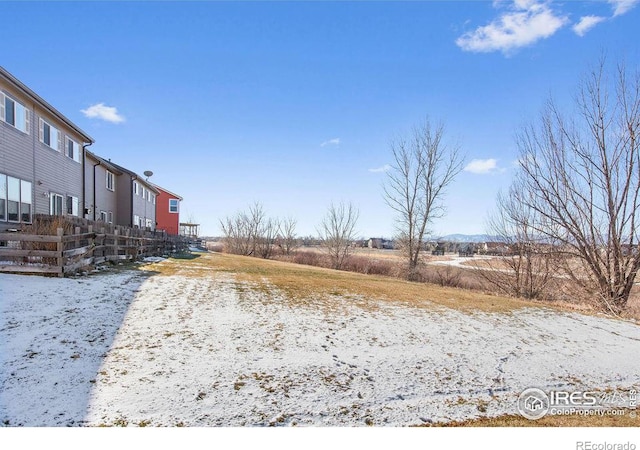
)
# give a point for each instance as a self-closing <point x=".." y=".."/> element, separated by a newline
<point x="79" y="245"/>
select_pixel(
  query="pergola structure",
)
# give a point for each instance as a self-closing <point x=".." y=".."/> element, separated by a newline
<point x="190" y="230"/>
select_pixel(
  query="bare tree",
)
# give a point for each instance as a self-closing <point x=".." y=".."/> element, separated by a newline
<point x="422" y="169"/>
<point x="250" y="233"/>
<point x="581" y="176"/>
<point x="530" y="262"/>
<point x="337" y="232"/>
<point x="287" y="239"/>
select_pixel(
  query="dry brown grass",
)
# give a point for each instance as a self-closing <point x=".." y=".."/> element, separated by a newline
<point x="549" y="421"/>
<point x="306" y="282"/>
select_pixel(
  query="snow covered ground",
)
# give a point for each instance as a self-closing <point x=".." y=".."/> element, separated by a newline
<point x="137" y="348"/>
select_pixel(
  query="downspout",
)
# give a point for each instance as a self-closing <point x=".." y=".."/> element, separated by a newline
<point x="94" y="189"/>
<point x="134" y="177"/>
<point x="84" y="176"/>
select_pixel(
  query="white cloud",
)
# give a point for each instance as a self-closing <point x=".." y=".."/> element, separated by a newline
<point x="586" y="23"/>
<point x="622" y="6"/>
<point x="103" y="112"/>
<point x="334" y="141"/>
<point x="483" y="166"/>
<point x="525" y="23"/>
<point x="384" y="168"/>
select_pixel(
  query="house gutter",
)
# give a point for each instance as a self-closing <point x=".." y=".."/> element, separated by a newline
<point x="84" y="176"/>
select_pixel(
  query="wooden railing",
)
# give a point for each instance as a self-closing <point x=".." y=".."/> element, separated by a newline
<point x="64" y="253"/>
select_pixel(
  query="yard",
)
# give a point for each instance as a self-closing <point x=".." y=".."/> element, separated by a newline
<point x="222" y="340"/>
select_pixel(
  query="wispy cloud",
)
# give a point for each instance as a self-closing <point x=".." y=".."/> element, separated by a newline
<point x="334" y="141"/>
<point x="384" y="168"/>
<point x="586" y="23"/>
<point x="621" y="7"/>
<point x="483" y="167"/>
<point x="103" y="112"/>
<point x="525" y="23"/>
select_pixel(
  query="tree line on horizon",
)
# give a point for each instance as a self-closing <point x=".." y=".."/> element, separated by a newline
<point x="572" y="210"/>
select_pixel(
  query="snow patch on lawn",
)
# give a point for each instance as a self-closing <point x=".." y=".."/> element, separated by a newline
<point x="211" y="351"/>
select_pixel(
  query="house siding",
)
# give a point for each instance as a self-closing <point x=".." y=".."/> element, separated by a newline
<point x="105" y="200"/>
<point x="55" y="172"/>
<point x="143" y="207"/>
<point x="166" y="220"/>
<point x="23" y="156"/>
<point x="124" y="186"/>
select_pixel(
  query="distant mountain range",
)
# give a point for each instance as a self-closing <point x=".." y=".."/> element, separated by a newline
<point x="476" y="238"/>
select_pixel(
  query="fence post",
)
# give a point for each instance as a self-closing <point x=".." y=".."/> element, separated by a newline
<point x="116" y="242"/>
<point x="60" y="249"/>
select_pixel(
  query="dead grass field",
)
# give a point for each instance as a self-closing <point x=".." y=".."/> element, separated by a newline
<point x="548" y="421"/>
<point x="301" y="283"/>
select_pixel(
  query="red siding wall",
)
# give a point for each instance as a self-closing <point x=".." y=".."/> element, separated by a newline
<point x="165" y="220"/>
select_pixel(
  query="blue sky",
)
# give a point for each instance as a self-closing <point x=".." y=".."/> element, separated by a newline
<point x="294" y="104"/>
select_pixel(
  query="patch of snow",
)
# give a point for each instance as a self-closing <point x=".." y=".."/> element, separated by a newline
<point x="127" y="347"/>
<point x="154" y="259"/>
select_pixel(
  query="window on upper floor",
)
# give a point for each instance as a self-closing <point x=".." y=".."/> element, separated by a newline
<point x="136" y="188"/>
<point x="110" y="216"/>
<point x="49" y="135"/>
<point x="173" y="205"/>
<point x="153" y="199"/>
<point x="14" y="113"/>
<point x="111" y="181"/>
<point x="72" y="149"/>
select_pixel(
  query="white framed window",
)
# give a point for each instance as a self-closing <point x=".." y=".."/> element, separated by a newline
<point x="56" y="202"/>
<point x="49" y="135"/>
<point x="111" y="181"/>
<point x="72" y="205"/>
<point x="14" y="113"/>
<point x="103" y="216"/>
<point x="3" y="197"/>
<point x="173" y="205"/>
<point x="136" y="220"/>
<point x="148" y="195"/>
<point x="153" y="199"/>
<point x="72" y="149"/>
<point x="25" y="201"/>
<point x="136" y="188"/>
<point x="144" y="192"/>
<point x="15" y="199"/>
<point x="110" y="219"/>
<point x="149" y="223"/>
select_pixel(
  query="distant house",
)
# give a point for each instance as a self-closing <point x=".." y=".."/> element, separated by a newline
<point x="101" y="199"/>
<point x="41" y="157"/>
<point x="380" y="243"/>
<point x="167" y="211"/>
<point x="136" y="199"/>
<point x="494" y="248"/>
<point x="439" y="250"/>
<point x="467" y="250"/>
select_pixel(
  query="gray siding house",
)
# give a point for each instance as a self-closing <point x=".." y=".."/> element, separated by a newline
<point x="41" y="157"/>
<point x="136" y="199"/>
<point x="101" y="193"/>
